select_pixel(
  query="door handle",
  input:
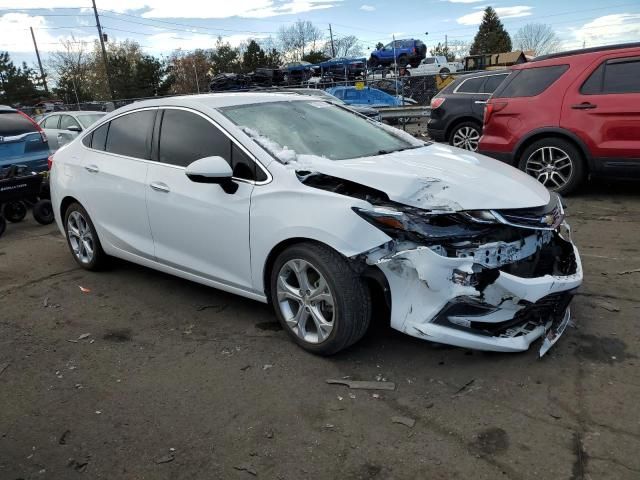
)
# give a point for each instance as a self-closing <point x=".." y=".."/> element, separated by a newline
<point x="584" y="106"/>
<point x="480" y="102"/>
<point x="160" y="187"/>
<point x="92" y="168"/>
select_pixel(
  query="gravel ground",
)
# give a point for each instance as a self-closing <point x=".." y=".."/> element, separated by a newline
<point x="146" y="376"/>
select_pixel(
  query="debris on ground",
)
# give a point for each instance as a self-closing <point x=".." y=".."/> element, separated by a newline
<point x="363" y="385"/>
<point x="246" y="468"/>
<point x="627" y="272"/>
<point x="245" y="368"/>
<point x="406" y="421"/>
<point x="77" y="466"/>
<point x="215" y="308"/>
<point x="63" y="438"/>
<point x="267" y="366"/>
<point x="464" y="387"/>
<point x="83" y="336"/>
<point x="170" y="457"/>
<point x="269" y="434"/>
<point x="84" y="289"/>
<point x="608" y="306"/>
<point x="3" y="367"/>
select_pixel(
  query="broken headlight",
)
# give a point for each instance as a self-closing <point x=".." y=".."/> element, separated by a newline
<point x="427" y="225"/>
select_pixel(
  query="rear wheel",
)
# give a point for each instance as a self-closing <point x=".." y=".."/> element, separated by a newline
<point x="554" y="162"/>
<point x="15" y="211"/>
<point x="82" y="238"/>
<point x="403" y="61"/>
<point x="466" y="136"/>
<point x="320" y="301"/>
<point x="43" y="212"/>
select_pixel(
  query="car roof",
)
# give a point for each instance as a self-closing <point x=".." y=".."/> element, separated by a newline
<point x="586" y="53"/>
<point x="6" y="108"/>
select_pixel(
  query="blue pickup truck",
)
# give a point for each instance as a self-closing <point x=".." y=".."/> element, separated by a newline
<point x="405" y="52"/>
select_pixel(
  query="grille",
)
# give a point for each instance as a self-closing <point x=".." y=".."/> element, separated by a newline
<point x="549" y="216"/>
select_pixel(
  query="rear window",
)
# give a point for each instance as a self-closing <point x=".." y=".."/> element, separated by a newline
<point x="13" y="123"/>
<point x="530" y="82"/>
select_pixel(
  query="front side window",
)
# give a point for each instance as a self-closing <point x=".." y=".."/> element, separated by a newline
<point x="316" y="128"/>
<point x="429" y="61"/>
<point x="530" y="82"/>
<point x="67" y="121"/>
<point x="130" y="134"/>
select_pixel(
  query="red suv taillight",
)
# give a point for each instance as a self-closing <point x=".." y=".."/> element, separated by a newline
<point x="50" y="162"/>
<point x="491" y="108"/>
<point x="43" y="135"/>
<point x="436" y="102"/>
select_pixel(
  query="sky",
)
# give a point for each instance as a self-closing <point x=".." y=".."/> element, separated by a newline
<point x="162" y="26"/>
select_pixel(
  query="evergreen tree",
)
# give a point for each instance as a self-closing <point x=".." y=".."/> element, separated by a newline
<point x="253" y="57"/>
<point x="16" y="84"/>
<point x="491" y="36"/>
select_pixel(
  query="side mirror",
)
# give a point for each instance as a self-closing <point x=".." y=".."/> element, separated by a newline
<point x="212" y="170"/>
<point x="74" y="128"/>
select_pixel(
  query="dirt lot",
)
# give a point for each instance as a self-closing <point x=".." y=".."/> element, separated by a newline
<point x="179" y="381"/>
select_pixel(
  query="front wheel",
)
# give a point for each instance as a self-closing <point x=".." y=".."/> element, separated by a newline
<point x="554" y="162"/>
<point x="466" y="136"/>
<point x="82" y="238"/>
<point x="43" y="212"/>
<point x="320" y="301"/>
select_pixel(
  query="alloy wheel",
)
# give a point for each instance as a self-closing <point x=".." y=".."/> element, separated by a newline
<point x="305" y="301"/>
<point x="551" y="166"/>
<point x="80" y="237"/>
<point x="466" y="138"/>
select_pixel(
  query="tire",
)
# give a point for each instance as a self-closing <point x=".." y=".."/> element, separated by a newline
<point x="466" y="135"/>
<point x="15" y="212"/>
<point x="3" y="225"/>
<point x="84" y="230"/>
<point x="43" y="212"/>
<point x="402" y="60"/>
<point x="351" y="310"/>
<point x="554" y="162"/>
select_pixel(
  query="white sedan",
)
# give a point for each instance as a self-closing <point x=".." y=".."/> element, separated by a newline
<point x="301" y="203"/>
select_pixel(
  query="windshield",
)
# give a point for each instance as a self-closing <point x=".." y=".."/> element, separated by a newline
<point x="317" y="128"/>
<point x="89" y="119"/>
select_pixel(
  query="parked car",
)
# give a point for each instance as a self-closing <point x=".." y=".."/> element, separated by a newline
<point x="367" y="96"/>
<point x="22" y="141"/>
<point x="405" y="52"/>
<point x="432" y="66"/>
<point x="368" y="112"/>
<point x="61" y="128"/>
<point x="564" y="116"/>
<point x="343" y="68"/>
<point x="294" y="201"/>
<point x="457" y="110"/>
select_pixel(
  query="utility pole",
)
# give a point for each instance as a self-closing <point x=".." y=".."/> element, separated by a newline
<point x="44" y="80"/>
<point x="333" y="48"/>
<point x="104" y="51"/>
<point x="445" y="42"/>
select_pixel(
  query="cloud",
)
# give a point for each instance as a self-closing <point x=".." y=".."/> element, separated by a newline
<point x="606" y="30"/>
<point x="15" y="35"/>
<point x="370" y="8"/>
<point x="196" y="8"/>
<point x="503" y="12"/>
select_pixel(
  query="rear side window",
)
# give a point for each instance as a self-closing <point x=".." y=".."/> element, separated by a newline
<point x="99" y="137"/>
<point x="530" y="82"/>
<point x="620" y="75"/>
<point x="492" y="83"/>
<point x="130" y="134"/>
<point x="13" y="123"/>
<point x="471" y="85"/>
<point x="51" y="122"/>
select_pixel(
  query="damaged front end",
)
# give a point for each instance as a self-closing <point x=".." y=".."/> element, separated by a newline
<point x="490" y="280"/>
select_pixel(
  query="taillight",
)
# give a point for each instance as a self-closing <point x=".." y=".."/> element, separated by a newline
<point x="490" y="108"/>
<point x="436" y="102"/>
<point x="43" y="135"/>
<point x="49" y="162"/>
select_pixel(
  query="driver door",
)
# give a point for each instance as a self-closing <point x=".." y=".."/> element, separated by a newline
<point x="68" y="130"/>
<point x="198" y="228"/>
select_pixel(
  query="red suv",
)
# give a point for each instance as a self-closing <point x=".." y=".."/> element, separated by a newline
<point x="561" y="117"/>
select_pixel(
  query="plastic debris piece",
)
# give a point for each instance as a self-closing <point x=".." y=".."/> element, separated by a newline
<point x="84" y="289"/>
<point x="406" y="421"/>
<point x="363" y="385"/>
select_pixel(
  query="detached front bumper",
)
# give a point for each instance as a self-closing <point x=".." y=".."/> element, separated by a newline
<point x="456" y="301"/>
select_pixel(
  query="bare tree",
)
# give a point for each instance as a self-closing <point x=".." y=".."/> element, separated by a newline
<point x="537" y="37"/>
<point x="295" y="39"/>
<point x="459" y="48"/>
<point x="348" y="46"/>
<point x="73" y="70"/>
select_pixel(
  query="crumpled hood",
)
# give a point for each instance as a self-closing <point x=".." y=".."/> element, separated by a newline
<point x="439" y="177"/>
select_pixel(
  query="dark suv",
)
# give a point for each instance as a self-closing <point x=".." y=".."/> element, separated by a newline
<point x="563" y="116"/>
<point x="409" y="51"/>
<point x="456" y="112"/>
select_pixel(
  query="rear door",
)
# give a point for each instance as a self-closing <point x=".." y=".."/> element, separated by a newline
<point x="50" y="125"/>
<point x="21" y="142"/>
<point x="603" y="107"/>
<point x="198" y="227"/>
<point x="113" y="181"/>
